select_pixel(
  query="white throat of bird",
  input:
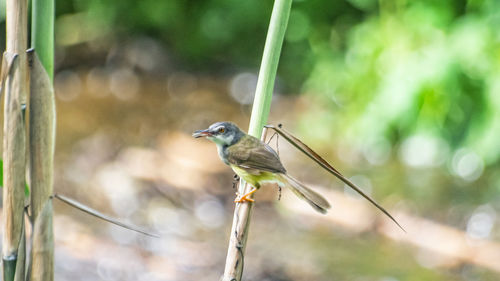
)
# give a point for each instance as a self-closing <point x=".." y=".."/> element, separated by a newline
<point x="222" y="142"/>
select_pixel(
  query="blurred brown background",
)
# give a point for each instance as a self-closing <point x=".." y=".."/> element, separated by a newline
<point x="401" y="96"/>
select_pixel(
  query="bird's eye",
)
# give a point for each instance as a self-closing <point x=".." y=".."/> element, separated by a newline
<point x="221" y="130"/>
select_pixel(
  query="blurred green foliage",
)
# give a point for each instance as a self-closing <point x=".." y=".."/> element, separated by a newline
<point x="418" y="68"/>
<point x="373" y="68"/>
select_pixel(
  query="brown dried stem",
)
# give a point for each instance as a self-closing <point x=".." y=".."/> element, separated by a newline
<point x="325" y="165"/>
<point x="239" y="234"/>
<point x="75" y="204"/>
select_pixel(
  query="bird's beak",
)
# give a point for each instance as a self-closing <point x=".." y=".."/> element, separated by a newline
<point x="202" y="133"/>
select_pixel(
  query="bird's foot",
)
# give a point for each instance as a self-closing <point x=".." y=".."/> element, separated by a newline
<point x="236" y="180"/>
<point x="245" y="197"/>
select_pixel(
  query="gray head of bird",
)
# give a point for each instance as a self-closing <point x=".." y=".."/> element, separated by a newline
<point x="222" y="133"/>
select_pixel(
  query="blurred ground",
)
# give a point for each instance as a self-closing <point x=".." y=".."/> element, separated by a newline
<point x="124" y="147"/>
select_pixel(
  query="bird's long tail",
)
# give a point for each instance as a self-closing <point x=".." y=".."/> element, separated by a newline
<point x="317" y="201"/>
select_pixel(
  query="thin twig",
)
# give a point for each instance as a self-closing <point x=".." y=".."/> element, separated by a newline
<point x="278" y="152"/>
<point x="100" y="215"/>
<point x="323" y="163"/>
<point x="271" y="138"/>
<point x="277" y="145"/>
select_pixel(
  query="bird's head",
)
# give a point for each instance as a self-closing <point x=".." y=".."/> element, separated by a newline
<point x="222" y="133"/>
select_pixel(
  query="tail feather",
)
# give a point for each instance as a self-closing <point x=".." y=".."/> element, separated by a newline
<point x="314" y="199"/>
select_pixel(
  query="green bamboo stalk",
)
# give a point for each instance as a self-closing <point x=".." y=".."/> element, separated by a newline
<point x="269" y="66"/>
<point x="41" y="145"/>
<point x="263" y="95"/>
<point x="14" y="148"/>
<point x="42" y="33"/>
<point x="42" y="124"/>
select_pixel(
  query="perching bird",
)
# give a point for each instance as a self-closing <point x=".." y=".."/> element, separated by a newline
<point x="256" y="163"/>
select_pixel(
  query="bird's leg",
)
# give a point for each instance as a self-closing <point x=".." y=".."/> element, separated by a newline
<point x="236" y="179"/>
<point x="245" y="197"/>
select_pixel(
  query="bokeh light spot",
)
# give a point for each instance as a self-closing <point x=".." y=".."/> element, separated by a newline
<point x="298" y="26"/>
<point x="467" y="164"/>
<point x="423" y="151"/>
<point x="242" y="87"/>
<point x="124" y="84"/>
<point x="210" y="212"/>
<point x="481" y="222"/>
<point x="68" y="85"/>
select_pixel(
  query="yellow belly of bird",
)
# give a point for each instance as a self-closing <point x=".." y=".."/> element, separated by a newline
<point x="255" y="180"/>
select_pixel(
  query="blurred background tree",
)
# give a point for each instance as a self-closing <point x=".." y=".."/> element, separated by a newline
<point x="391" y="69"/>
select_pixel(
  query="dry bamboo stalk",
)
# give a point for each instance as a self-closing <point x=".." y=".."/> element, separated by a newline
<point x="41" y="144"/>
<point x="42" y="252"/>
<point x="7" y="69"/>
<point x="14" y="142"/>
<point x="239" y="234"/>
<point x="42" y="134"/>
<point x="21" y="258"/>
<point x="14" y="163"/>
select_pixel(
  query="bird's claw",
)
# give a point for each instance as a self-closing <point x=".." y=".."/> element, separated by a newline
<point x="245" y="197"/>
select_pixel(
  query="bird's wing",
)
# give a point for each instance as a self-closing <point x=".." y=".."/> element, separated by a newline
<point x="251" y="153"/>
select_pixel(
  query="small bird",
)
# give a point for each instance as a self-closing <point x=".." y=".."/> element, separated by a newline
<point x="256" y="163"/>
